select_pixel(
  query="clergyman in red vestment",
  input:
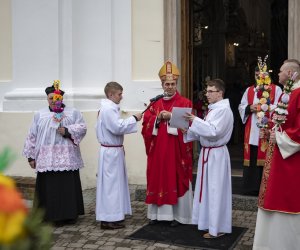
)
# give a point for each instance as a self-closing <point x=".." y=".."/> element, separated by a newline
<point x="278" y="217"/>
<point x="169" y="159"/>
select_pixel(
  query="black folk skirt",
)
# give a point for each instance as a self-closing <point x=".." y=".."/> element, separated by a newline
<point x="59" y="194"/>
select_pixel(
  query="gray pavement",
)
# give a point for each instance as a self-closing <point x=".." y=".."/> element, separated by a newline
<point x="86" y="233"/>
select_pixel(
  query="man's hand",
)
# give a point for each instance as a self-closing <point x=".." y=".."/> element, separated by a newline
<point x="32" y="164"/>
<point x="164" y="115"/>
<point x="183" y="130"/>
<point x="138" y="116"/>
<point x="253" y="108"/>
<point x="189" y="117"/>
<point x="61" y="130"/>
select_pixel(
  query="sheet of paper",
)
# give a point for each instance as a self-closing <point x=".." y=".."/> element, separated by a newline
<point x="177" y="120"/>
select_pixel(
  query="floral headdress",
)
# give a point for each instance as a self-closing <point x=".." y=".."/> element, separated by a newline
<point x="58" y="104"/>
<point x="263" y="90"/>
<point x="280" y="114"/>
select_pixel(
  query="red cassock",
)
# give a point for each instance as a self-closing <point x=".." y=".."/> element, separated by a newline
<point x="169" y="162"/>
<point x="282" y="192"/>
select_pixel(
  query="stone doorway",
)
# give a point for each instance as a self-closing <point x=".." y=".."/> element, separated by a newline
<point x="222" y="39"/>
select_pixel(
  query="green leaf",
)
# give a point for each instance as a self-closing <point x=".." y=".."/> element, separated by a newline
<point x="6" y="157"/>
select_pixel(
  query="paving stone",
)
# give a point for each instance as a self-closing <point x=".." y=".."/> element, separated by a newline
<point x="87" y="234"/>
<point x="90" y="246"/>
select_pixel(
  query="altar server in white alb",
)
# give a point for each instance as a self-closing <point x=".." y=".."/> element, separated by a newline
<point x="212" y="205"/>
<point x="112" y="198"/>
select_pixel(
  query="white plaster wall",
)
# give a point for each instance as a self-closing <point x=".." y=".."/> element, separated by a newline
<point x="147" y="39"/>
<point x="85" y="44"/>
<point x="16" y="126"/>
<point x="6" y="42"/>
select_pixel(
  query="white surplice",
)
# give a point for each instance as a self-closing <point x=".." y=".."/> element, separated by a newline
<point x="51" y="151"/>
<point x="214" y="212"/>
<point x="112" y="196"/>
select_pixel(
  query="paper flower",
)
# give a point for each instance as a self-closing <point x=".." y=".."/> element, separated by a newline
<point x="58" y="102"/>
<point x="263" y="90"/>
<point x="280" y="115"/>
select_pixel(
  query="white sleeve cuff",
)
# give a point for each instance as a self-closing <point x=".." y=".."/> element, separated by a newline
<point x="155" y="130"/>
<point x="286" y="145"/>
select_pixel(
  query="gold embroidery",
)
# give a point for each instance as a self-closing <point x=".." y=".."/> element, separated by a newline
<point x="265" y="176"/>
<point x="264" y="145"/>
<point x="246" y="147"/>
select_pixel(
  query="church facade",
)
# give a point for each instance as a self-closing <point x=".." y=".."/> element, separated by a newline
<point x="86" y="44"/>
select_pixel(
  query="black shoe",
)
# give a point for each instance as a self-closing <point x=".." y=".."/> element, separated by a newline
<point x="152" y="222"/>
<point x="175" y="223"/>
<point x="111" y="225"/>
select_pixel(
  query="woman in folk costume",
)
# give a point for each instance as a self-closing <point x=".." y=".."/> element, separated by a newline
<point x="278" y="217"/>
<point x="212" y="206"/>
<point x="254" y="147"/>
<point x="169" y="159"/>
<point x="112" y="197"/>
<point x="52" y="149"/>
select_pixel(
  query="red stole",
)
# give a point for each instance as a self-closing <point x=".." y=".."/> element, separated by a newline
<point x="262" y="143"/>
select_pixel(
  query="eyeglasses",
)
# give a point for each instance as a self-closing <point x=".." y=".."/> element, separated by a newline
<point x="212" y="91"/>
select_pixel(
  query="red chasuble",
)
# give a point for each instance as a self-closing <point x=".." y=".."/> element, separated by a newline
<point x="281" y="178"/>
<point x="169" y="163"/>
<point x="262" y="143"/>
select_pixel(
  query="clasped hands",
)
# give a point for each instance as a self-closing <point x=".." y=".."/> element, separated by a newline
<point x="164" y="115"/>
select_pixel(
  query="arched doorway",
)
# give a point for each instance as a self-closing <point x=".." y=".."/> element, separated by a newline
<point x="222" y="39"/>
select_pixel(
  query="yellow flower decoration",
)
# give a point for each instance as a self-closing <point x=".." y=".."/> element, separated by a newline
<point x="56" y="84"/>
<point x="57" y="97"/>
<point x="266" y="94"/>
<point x="12" y="226"/>
<point x="6" y="181"/>
<point x="263" y="100"/>
<point x="259" y="81"/>
<point x="268" y="80"/>
<point x="13" y="211"/>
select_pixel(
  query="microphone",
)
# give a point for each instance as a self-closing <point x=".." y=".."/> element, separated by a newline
<point x="156" y="98"/>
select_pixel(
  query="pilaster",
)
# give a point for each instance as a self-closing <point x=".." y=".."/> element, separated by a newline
<point x="293" y="29"/>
